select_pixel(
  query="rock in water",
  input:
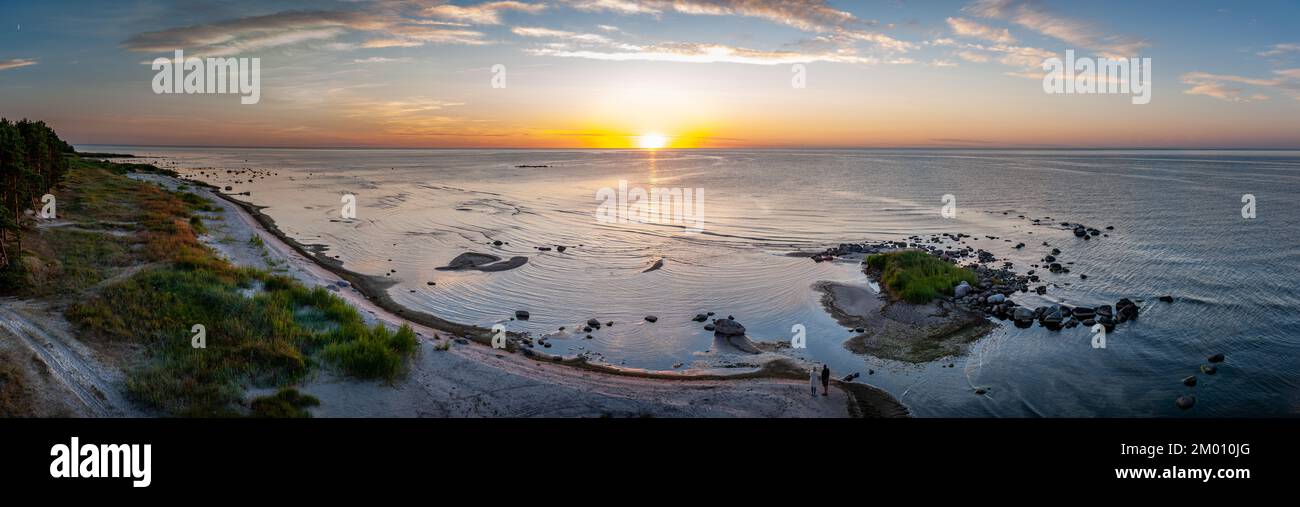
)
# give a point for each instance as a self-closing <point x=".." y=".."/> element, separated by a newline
<point x="1126" y="310"/>
<point x="728" y="327"/>
<point x="651" y="318"/>
<point x="1167" y="299"/>
<point x="699" y="317"/>
<point x="1186" y="402"/>
<point x="1190" y="381"/>
<point x="653" y="267"/>
<point x="521" y="315"/>
<point x="1209" y="369"/>
<point x="1217" y="358"/>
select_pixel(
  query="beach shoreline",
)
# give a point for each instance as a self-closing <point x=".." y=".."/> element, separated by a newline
<point x="776" y="389"/>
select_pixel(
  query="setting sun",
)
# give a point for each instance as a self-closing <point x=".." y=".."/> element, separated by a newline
<point x="652" y="141"/>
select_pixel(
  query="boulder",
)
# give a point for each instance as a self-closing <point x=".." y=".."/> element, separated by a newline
<point x="1126" y="310"/>
<point x="1190" y="381"/>
<point x="1217" y="358"/>
<point x="961" y="290"/>
<point x="651" y="318"/>
<point x="728" y="327"/>
<point x="521" y="315"/>
<point x="1185" y="402"/>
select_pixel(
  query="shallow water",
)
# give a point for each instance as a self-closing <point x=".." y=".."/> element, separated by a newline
<point x="1176" y="214"/>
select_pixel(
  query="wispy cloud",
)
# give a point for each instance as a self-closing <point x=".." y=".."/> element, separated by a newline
<point x="242" y="35"/>
<point x="559" y="34"/>
<point x="807" y="15"/>
<point x="1035" y="16"/>
<point x="815" y="16"/>
<point x="967" y="28"/>
<point x="488" y="13"/>
<point x="1281" y="49"/>
<point x="1230" y="87"/>
<point x="380" y="59"/>
<point x="1026" y="60"/>
<point x="688" y="52"/>
<point x="16" y="63"/>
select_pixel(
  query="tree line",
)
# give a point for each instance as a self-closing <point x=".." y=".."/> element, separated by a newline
<point x="31" y="163"/>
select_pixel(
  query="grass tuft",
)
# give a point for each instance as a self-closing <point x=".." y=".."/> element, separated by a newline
<point x="918" y="277"/>
<point x="287" y="403"/>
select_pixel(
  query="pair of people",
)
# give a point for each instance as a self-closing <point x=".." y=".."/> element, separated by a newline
<point x="825" y="377"/>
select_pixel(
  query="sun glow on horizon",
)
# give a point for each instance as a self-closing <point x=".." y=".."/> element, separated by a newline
<point x="652" y="141"/>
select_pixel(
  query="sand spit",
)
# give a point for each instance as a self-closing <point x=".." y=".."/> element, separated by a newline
<point x="900" y="330"/>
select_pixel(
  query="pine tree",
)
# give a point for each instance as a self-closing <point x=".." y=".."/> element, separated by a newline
<point x="31" y="163"/>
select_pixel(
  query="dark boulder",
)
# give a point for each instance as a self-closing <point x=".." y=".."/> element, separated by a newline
<point x="728" y="327"/>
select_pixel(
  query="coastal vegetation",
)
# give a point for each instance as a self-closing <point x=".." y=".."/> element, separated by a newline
<point x="31" y="163"/>
<point x="125" y="260"/>
<point x="918" y="277"/>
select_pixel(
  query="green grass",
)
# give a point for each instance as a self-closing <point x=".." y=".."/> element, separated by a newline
<point x="285" y="403"/>
<point x="918" y="277"/>
<point x="269" y="339"/>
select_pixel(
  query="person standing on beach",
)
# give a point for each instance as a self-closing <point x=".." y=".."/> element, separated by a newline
<point x="812" y="380"/>
<point x="826" y="380"/>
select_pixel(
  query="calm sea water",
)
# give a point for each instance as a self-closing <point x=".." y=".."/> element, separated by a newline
<point x="1177" y="216"/>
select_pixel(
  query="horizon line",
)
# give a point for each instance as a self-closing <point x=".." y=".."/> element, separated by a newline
<point x="526" y="148"/>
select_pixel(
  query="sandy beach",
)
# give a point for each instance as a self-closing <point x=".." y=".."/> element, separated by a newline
<point x="474" y="380"/>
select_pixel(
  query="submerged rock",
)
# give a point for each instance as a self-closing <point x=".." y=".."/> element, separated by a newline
<point x="653" y="267"/>
<point x="483" y="262"/>
<point x="1185" y="402"/>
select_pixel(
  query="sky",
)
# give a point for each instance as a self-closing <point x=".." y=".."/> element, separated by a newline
<point x="657" y="73"/>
